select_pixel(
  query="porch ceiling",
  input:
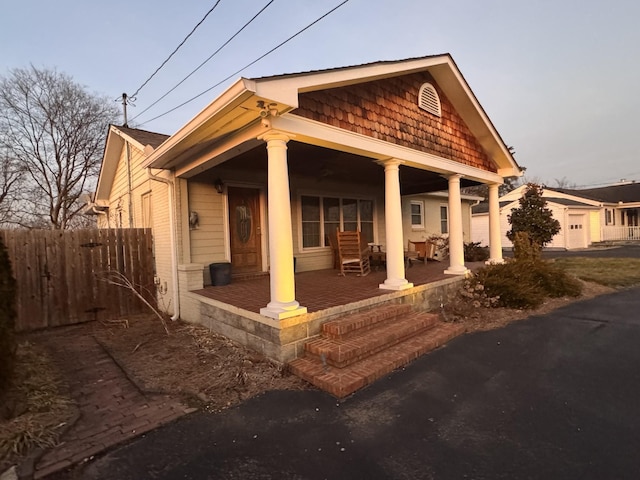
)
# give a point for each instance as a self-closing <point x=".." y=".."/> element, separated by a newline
<point x="322" y="163"/>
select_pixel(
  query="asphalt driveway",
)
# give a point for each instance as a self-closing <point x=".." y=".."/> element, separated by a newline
<point x="554" y="396"/>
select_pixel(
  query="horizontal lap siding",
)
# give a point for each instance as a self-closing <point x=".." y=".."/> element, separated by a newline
<point x="208" y="239"/>
<point x="388" y="110"/>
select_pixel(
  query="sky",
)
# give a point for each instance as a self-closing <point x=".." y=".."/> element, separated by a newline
<point x="558" y="78"/>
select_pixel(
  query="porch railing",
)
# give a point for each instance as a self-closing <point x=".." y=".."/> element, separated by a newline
<point x="620" y="233"/>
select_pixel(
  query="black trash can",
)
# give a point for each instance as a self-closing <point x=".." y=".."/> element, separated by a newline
<point x="220" y="274"/>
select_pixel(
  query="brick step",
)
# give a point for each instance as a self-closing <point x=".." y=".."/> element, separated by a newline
<point x="361" y="321"/>
<point x="340" y="352"/>
<point x="341" y="382"/>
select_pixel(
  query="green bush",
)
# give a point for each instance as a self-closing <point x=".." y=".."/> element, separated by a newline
<point x="7" y="317"/>
<point x="524" y="284"/>
<point x="474" y="252"/>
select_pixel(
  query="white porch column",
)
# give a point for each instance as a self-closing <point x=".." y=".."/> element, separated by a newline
<point x="283" y="303"/>
<point x="495" y="238"/>
<point x="456" y="240"/>
<point x="393" y="227"/>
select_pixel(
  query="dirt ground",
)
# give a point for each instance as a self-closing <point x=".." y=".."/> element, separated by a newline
<point x="216" y="373"/>
<point x="210" y="371"/>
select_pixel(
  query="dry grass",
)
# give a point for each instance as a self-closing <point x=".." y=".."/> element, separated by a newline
<point x="34" y="409"/>
<point x="478" y="316"/>
<point x="612" y="272"/>
<point x="192" y="360"/>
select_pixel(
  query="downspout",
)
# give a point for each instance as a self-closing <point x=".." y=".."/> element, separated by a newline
<point x="172" y="240"/>
<point x="128" y="149"/>
<point x="97" y="211"/>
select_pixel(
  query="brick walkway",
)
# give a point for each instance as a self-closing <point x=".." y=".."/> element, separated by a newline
<point x="111" y="407"/>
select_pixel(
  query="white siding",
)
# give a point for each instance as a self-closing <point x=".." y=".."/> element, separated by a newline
<point x="130" y="184"/>
<point x="480" y="229"/>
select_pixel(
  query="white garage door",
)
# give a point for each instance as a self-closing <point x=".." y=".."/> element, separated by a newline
<point x="576" y="232"/>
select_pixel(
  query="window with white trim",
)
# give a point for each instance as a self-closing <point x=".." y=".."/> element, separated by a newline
<point x="323" y="215"/>
<point x="444" y="219"/>
<point x="417" y="214"/>
<point x="610" y="218"/>
<point x="428" y="100"/>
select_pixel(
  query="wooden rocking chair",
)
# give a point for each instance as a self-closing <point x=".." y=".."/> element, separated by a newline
<point x="353" y="253"/>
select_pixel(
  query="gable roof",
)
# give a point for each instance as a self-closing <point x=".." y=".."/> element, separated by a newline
<point x="144" y="137"/>
<point x="116" y="138"/>
<point x="625" y="193"/>
<point x="483" y="207"/>
<point x="239" y="106"/>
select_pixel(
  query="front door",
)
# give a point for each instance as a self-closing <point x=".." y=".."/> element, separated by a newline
<point x="244" y="229"/>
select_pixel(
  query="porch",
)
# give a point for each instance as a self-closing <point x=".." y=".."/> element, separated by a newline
<point x="620" y="233"/>
<point x="234" y="310"/>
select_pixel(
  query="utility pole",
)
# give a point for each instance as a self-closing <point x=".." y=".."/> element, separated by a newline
<point x="124" y="110"/>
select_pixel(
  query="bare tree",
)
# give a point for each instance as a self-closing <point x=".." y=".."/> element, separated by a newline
<point x="565" y="183"/>
<point x="11" y="177"/>
<point x="54" y="131"/>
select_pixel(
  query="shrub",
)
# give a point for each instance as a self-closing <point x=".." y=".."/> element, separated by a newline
<point x="474" y="252"/>
<point x="441" y="243"/>
<point x="524" y="284"/>
<point x="533" y="217"/>
<point x="7" y="317"/>
<point x="524" y="248"/>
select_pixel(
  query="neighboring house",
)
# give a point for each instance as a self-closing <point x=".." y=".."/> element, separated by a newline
<point x="586" y="216"/>
<point x="267" y="171"/>
<point x="619" y="216"/>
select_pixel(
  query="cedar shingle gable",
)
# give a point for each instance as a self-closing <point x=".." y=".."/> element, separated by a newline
<point x="388" y="110"/>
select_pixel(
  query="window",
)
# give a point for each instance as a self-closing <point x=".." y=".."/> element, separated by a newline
<point x="310" y="221"/>
<point x="429" y="100"/>
<point x="417" y="215"/>
<point x="444" y="219"/>
<point x="610" y="219"/>
<point x="323" y="215"/>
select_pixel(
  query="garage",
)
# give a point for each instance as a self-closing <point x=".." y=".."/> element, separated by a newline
<point x="576" y="231"/>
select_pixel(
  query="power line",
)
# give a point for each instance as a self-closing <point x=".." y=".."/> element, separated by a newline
<point x="203" y="63"/>
<point x="248" y="65"/>
<point x="176" y="49"/>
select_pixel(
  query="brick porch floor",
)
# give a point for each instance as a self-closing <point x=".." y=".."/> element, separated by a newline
<point x="322" y="289"/>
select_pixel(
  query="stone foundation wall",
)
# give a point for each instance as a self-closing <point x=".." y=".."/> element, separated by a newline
<point x="283" y="341"/>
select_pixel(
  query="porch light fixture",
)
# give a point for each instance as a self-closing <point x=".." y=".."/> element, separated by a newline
<point x="219" y="186"/>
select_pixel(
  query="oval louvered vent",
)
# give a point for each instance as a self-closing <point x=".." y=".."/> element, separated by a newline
<point x="428" y="99"/>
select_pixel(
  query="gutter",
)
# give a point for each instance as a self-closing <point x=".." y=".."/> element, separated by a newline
<point x="174" y="254"/>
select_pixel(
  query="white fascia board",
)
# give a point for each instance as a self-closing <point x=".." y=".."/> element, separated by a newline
<point x="445" y="194"/>
<point x="220" y="153"/>
<point x="467" y="105"/>
<point x="317" y="133"/>
<point x="514" y="194"/>
<point x="231" y="97"/>
<point x="109" y="164"/>
<point x="285" y="89"/>
<point x="129" y="139"/>
<point x="547" y="192"/>
<point x="443" y="69"/>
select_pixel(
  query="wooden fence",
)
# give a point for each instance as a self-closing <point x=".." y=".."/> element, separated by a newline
<point x="63" y="277"/>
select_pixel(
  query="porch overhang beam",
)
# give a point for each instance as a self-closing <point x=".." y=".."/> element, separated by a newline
<point x="221" y="151"/>
<point x="321" y="134"/>
<point x="233" y="97"/>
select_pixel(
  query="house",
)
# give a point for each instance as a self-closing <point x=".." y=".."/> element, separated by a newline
<point x="586" y="216"/>
<point x="619" y="214"/>
<point x="269" y="169"/>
